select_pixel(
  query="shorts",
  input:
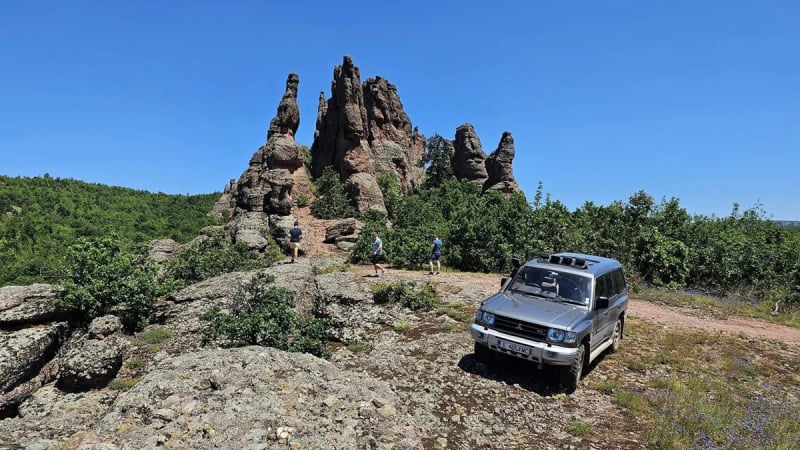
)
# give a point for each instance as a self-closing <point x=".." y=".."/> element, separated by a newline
<point x="435" y="256"/>
<point x="376" y="258"/>
<point x="294" y="245"/>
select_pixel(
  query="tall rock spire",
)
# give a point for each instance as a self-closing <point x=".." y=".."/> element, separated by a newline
<point x="363" y="130"/>
<point x="499" y="169"/>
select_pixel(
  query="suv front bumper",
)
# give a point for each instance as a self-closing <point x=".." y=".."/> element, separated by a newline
<point x="540" y="352"/>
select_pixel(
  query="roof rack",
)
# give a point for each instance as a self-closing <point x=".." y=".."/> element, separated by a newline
<point x="578" y="263"/>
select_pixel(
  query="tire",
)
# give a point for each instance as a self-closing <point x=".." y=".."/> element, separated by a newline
<point x="571" y="375"/>
<point x="616" y="337"/>
<point x="482" y="353"/>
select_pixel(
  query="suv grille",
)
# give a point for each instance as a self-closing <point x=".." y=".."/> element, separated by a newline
<point x="519" y="328"/>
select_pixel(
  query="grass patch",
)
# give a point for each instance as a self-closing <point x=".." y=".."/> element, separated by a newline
<point x="358" y="347"/>
<point x="457" y="311"/>
<point x="607" y="386"/>
<point x="118" y="384"/>
<point x="135" y="363"/>
<point x="155" y="335"/>
<point x="578" y="428"/>
<point x="330" y="268"/>
<point x="401" y="327"/>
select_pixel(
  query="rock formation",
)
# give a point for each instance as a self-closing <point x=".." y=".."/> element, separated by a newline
<point x="469" y="161"/>
<point x="224" y="205"/>
<point x="499" y="169"/>
<point x="471" y="164"/>
<point x="364" y="132"/>
<point x="275" y="174"/>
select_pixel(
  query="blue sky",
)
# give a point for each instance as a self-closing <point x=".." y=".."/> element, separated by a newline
<point x="698" y="100"/>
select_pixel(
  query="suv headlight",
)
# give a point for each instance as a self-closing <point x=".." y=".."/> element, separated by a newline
<point x="556" y="335"/>
<point x="484" y="317"/>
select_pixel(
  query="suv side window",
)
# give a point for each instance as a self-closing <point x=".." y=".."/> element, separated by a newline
<point x="603" y="286"/>
<point x="619" y="281"/>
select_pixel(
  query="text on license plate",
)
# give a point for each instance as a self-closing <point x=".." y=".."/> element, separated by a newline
<point x="514" y="347"/>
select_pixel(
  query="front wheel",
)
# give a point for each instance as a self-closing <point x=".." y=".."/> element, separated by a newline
<point x="571" y="375"/>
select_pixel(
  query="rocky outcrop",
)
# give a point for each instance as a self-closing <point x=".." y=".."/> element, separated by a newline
<point x="363" y="131"/>
<point x="499" y="167"/>
<point x="20" y="305"/>
<point x="469" y="161"/>
<point x="163" y="250"/>
<point x="286" y="400"/>
<point x="276" y="171"/>
<point x="224" y="205"/>
<point x="24" y="352"/>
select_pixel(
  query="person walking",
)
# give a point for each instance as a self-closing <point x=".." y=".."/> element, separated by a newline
<point x="295" y="234"/>
<point x="436" y="254"/>
<point x="377" y="253"/>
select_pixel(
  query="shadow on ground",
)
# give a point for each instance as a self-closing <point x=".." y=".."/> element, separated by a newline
<point x="514" y="371"/>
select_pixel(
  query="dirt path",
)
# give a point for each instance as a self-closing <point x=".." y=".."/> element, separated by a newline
<point x="678" y="318"/>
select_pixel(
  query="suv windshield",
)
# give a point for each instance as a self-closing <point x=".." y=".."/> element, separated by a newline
<point x="549" y="283"/>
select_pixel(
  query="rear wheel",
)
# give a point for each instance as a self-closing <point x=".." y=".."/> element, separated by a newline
<point x="571" y="375"/>
<point x="616" y="337"/>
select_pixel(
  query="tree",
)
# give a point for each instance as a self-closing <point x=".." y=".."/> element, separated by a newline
<point x="438" y="160"/>
<point x="105" y="279"/>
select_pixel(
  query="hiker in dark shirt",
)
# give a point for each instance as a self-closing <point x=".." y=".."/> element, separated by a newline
<point x="295" y="234"/>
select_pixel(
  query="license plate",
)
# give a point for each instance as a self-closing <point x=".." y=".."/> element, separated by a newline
<point x="514" y="347"/>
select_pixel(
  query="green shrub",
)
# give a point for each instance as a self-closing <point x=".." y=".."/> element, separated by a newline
<point x="215" y="256"/>
<point x="105" y="279"/>
<point x="331" y="200"/>
<point x="263" y="314"/>
<point x="401" y="327"/>
<point x="578" y="428"/>
<point x="303" y="201"/>
<point x="155" y="335"/>
<point x="407" y="293"/>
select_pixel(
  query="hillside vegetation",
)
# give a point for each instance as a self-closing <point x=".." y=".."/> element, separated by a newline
<point x="41" y="217"/>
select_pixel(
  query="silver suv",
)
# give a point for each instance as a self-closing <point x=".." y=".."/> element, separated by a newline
<point x="561" y="310"/>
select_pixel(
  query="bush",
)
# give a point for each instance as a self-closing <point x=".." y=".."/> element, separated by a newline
<point x="331" y="200"/>
<point x="407" y="293"/>
<point x="262" y="314"/>
<point x="215" y="256"/>
<point x="105" y="279"/>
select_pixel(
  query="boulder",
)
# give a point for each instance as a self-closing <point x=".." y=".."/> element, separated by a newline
<point x="342" y="228"/>
<point x="363" y="187"/>
<point x="89" y="364"/>
<point x="469" y="161"/>
<point x="250" y="228"/>
<point x="20" y="305"/>
<point x="102" y="327"/>
<point x="24" y="352"/>
<point x="499" y="167"/>
<point x="224" y="205"/>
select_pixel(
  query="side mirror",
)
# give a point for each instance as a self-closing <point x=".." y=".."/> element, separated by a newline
<point x="602" y="303"/>
<point x="503" y="281"/>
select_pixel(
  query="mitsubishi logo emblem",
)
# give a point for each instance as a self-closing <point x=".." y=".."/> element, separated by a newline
<point x="519" y="326"/>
